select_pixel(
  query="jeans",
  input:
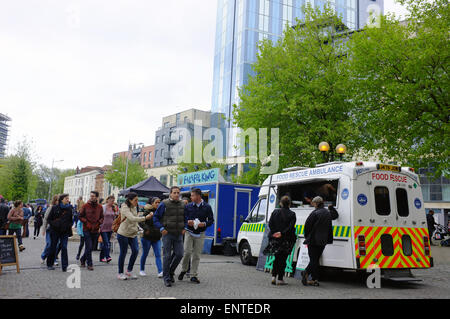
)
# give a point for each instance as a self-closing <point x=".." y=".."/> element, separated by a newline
<point x="56" y="238"/>
<point x="124" y="242"/>
<point x="18" y="233"/>
<point x="37" y="228"/>
<point x="170" y="261"/>
<point x="75" y="220"/>
<point x="106" y="245"/>
<point x="193" y="246"/>
<point x="26" y="231"/>
<point x="156" y="245"/>
<point x="80" y="248"/>
<point x="88" y="245"/>
<point x="314" y="253"/>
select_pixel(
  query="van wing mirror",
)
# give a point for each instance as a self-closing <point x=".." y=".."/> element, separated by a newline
<point x="241" y="219"/>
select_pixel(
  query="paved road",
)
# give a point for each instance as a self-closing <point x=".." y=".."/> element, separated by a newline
<point x="222" y="277"/>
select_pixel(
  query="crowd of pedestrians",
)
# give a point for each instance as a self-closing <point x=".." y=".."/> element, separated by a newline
<point x="176" y="226"/>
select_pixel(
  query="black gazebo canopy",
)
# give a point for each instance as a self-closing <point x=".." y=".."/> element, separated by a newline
<point x="150" y="187"/>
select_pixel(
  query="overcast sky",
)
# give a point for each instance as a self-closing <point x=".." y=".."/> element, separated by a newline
<point x="82" y="78"/>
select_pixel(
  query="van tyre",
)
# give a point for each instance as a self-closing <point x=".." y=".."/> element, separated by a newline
<point x="245" y="253"/>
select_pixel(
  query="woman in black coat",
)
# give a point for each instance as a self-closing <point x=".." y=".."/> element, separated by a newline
<point x="38" y="219"/>
<point x="282" y="238"/>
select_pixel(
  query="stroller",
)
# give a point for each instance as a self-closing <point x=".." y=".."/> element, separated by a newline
<point x="443" y="235"/>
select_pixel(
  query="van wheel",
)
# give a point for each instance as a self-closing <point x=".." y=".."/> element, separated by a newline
<point x="245" y="253"/>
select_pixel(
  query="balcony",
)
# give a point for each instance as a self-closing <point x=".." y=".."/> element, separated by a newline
<point x="170" y="141"/>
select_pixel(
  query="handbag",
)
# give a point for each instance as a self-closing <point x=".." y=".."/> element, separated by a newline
<point x="116" y="223"/>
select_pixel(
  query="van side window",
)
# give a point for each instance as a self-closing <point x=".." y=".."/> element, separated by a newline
<point x="262" y="210"/>
<point x="382" y="204"/>
<point x="301" y="194"/>
<point x="402" y="202"/>
<point x="259" y="213"/>
<point x="254" y="213"/>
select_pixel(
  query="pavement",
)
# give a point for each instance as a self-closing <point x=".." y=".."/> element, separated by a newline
<point x="221" y="277"/>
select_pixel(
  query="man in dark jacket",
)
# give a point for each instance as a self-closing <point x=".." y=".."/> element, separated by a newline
<point x="198" y="216"/>
<point x="60" y="221"/>
<point x="4" y="210"/>
<point x="169" y="218"/>
<point x="318" y="233"/>
<point x="431" y="223"/>
<point x="91" y="215"/>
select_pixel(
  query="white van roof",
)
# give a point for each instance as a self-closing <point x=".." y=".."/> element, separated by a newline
<point x="350" y="169"/>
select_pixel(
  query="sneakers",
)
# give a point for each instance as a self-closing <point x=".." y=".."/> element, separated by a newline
<point x="122" y="277"/>
<point x="21" y="248"/>
<point x="142" y="273"/>
<point x="172" y="278"/>
<point x="90" y="268"/>
<point x="130" y="275"/>
<point x="160" y="275"/>
<point x="42" y="261"/>
<point x="181" y="275"/>
<point x="103" y="260"/>
<point x="56" y="263"/>
<point x="195" y="279"/>
<point x="274" y="280"/>
<point x="108" y="259"/>
<point x="167" y="283"/>
<point x="51" y="268"/>
<point x="82" y="265"/>
<point x="281" y="283"/>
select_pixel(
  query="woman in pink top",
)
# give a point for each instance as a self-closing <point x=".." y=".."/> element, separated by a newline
<point x="110" y="212"/>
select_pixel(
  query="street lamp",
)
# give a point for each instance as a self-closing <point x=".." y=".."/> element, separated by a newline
<point x="51" y="178"/>
<point x="126" y="169"/>
<point x="324" y="147"/>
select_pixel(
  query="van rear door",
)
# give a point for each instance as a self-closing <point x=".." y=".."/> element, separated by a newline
<point x="395" y="239"/>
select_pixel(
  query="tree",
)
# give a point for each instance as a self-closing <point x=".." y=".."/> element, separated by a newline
<point x="116" y="176"/>
<point x="59" y="178"/>
<point x="16" y="180"/>
<point x="301" y="87"/>
<point x="400" y="86"/>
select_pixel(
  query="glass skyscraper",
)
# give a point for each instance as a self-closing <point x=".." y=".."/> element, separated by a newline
<point x="241" y="24"/>
<point x="4" y="128"/>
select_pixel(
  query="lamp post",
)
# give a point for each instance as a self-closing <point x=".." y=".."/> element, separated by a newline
<point x="51" y="178"/>
<point x="324" y="147"/>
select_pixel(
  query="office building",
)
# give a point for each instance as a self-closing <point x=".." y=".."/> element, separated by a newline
<point x="241" y="24"/>
<point x="4" y="129"/>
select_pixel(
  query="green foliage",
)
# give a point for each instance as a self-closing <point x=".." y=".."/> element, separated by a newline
<point x="60" y="176"/>
<point x="16" y="174"/>
<point x="252" y="177"/>
<point x="400" y="86"/>
<point x="116" y="176"/>
<point x="301" y="86"/>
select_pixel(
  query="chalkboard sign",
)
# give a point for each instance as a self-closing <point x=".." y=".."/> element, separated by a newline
<point x="8" y="252"/>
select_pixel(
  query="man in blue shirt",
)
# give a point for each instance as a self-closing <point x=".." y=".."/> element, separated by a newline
<point x="198" y="216"/>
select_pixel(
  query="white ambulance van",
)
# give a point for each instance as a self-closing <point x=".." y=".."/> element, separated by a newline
<point x="381" y="215"/>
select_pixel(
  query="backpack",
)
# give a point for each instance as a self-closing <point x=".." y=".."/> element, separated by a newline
<point x="116" y="223"/>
